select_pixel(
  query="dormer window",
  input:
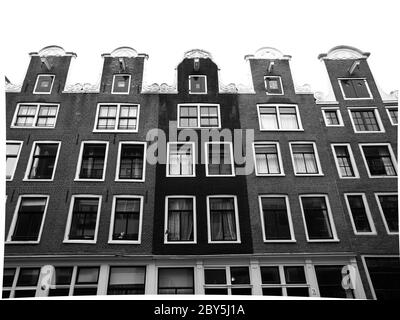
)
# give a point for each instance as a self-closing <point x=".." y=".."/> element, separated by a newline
<point x="121" y="84"/>
<point x="44" y="84"/>
<point x="273" y="85"/>
<point x="355" y="88"/>
<point x="197" y="84"/>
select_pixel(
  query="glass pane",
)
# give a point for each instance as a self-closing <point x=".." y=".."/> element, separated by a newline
<point x="241" y="291"/>
<point x="298" y="292"/>
<point x="240" y="275"/>
<point x="24" y="293"/>
<point x="127" y="275"/>
<point x="276" y="222"/>
<point x="270" y="275"/>
<point x="60" y="292"/>
<point x="8" y="277"/>
<point x="79" y="291"/>
<point x="272" y="291"/>
<point x="63" y="275"/>
<point x="216" y="291"/>
<point x="317" y="218"/>
<point x="294" y="275"/>
<point x="28" y="277"/>
<point x="215" y="276"/>
<point x="359" y="213"/>
<point x="330" y="281"/>
<point x="87" y="275"/>
<point x="175" y="280"/>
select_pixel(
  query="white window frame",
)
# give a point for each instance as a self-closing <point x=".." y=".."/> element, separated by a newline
<point x="394" y="161"/>
<point x="367" y="211"/>
<point x="387" y="108"/>
<point x="338" y="114"/>
<point x="366" y="84"/>
<point x="37" y="82"/>
<point x="288" y="212"/>
<point x="330" y="217"/>
<point x="118" y="105"/>
<point x="182" y="265"/>
<point x="69" y="219"/>
<point x="114" y="203"/>
<point x="193" y="154"/>
<point x="228" y="285"/>
<point x="231" y="154"/>
<point x="318" y="162"/>
<point x="28" y="168"/>
<point x="78" y="167"/>
<point x="205" y="83"/>
<point x="15" y="218"/>
<point x="266" y="88"/>
<point x="119" y="161"/>
<point x="14" y="288"/>
<point x="377" y="117"/>
<point x="278" y="149"/>
<point x="129" y="83"/>
<point x="19" y="153"/>
<point x="37" y="104"/>
<point x="194" y="241"/>
<point x="238" y="238"/>
<point x="352" y="161"/>
<point x="198" y="105"/>
<point x="377" y="194"/>
<point x="277" y="106"/>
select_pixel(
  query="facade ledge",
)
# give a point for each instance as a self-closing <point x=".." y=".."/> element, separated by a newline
<point x="162" y="88"/>
<point x="322" y="98"/>
<point x="82" y="88"/>
<point x="303" y="89"/>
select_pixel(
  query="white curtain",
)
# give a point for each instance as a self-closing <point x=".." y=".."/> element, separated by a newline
<point x="180" y="219"/>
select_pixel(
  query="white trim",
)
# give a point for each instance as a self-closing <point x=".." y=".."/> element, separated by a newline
<point x="277" y="106"/>
<point x="144" y="144"/>
<point x="266" y="88"/>
<point x="78" y="167"/>
<point x="117" y="116"/>
<point x="198" y="105"/>
<point x="377" y="194"/>
<point x="278" y="150"/>
<point x="29" y="166"/>
<point x="37" y="105"/>
<point x="390" y="118"/>
<point x="352" y="161"/>
<point x="330" y="217"/>
<point x="193" y="154"/>
<point x="238" y="240"/>
<point x="194" y="241"/>
<point x="231" y="154"/>
<point x="394" y="162"/>
<point x="205" y="84"/>
<point x="377" y="117"/>
<point x="320" y="173"/>
<point x="69" y="219"/>
<point x="37" y="81"/>
<point x="129" y="83"/>
<point x="367" y="212"/>
<point x="19" y="153"/>
<point x="338" y="114"/>
<point x="114" y="203"/>
<point x="288" y="212"/>
<point x="367" y="86"/>
<point x="15" y="218"/>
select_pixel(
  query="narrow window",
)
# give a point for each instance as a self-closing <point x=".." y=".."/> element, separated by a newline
<point x="345" y="164"/>
<point x="180" y="159"/>
<point x="47" y="116"/>
<point x="379" y="160"/>
<point x="63" y="277"/>
<point x="44" y="84"/>
<point x="388" y="205"/>
<point x="84" y="218"/>
<point x="267" y="159"/>
<point x="27" y="282"/>
<point x="12" y="154"/>
<point x="93" y="161"/>
<point x="331" y="117"/>
<point x="392" y="112"/>
<point x="43" y="161"/>
<point x="359" y="215"/>
<point x="304" y="158"/>
<point x="127" y="219"/>
<point x="126" y="280"/>
<point x="180" y="220"/>
<point x="219" y="159"/>
<point x="86" y="281"/>
<point x="209" y="116"/>
<point x="121" y="84"/>
<point x="188" y="117"/>
<point x="330" y="281"/>
<point x="223" y="219"/>
<point x="107" y="117"/>
<point x="175" y="281"/>
<point x="132" y="162"/>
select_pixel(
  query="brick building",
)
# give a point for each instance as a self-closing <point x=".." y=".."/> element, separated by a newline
<point x="264" y="188"/>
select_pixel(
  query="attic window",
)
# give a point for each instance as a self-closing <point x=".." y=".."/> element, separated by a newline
<point x="273" y="85"/>
<point x="44" y="84"/>
<point x="121" y="84"/>
<point x="197" y="84"/>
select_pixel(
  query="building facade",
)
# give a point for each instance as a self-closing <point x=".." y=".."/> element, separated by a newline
<point x="128" y="187"/>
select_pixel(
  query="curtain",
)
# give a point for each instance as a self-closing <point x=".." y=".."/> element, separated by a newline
<point x="223" y="225"/>
<point x="310" y="163"/>
<point x="269" y="121"/>
<point x="289" y="121"/>
<point x="180" y="219"/>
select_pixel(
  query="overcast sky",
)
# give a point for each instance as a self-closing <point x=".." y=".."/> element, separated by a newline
<point x="227" y="29"/>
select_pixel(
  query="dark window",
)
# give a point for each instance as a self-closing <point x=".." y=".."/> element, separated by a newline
<point x="28" y="277"/>
<point x="294" y="274"/>
<point x="304" y="159"/>
<point x="197" y="84"/>
<point x="344" y="161"/>
<point x="12" y="152"/>
<point x="390" y="210"/>
<point x="222" y="219"/>
<point x="365" y="120"/>
<point x="63" y="276"/>
<point x="355" y="88"/>
<point x="330" y="281"/>
<point x="317" y="218"/>
<point x="47" y="116"/>
<point x="216" y="291"/>
<point x="331" y="117"/>
<point x="273" y="85"/>
<point x="180" y="219"/>
<point x="43" y="161"/>
<point x="8" y="277"/>
<point x="272" y="291"/>
<point x="24" y="293"/>
<point x="86" y="281"/>
<point x="270" y="275"/>
<point x="240" y="275"/>
<point x="131" y="162"/>
<point x="44" y="83"/>
<point x="379" y="161"/>
<point x="276" y="222"/>
<point x="126" y="220"/>
<point x="175" y="281"/>
<point x="267" y="160"/>
<point x="298" y="292"/>
<point x="359" y="213"/>
<point x="241" y="291"/>
<point x="180" y="159"/>
<point x="84" y="216"/>
<point x="93" y="159"/>
<point x="219" y="159"/>
<point x="393" y="115"/>
<point x="121" y="83"/>
<point x="126" y="280"/>
<point x="215" y="276"/>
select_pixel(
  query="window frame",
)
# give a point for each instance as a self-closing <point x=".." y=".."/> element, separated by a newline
<point x="30" y="161"/>
<point x="193" y="154"/>
<point x="238" y="237"/>
<point x="233" y="174"/>
<point x="317" y="160"/>
<point x="117" y="179"/>
<point x="194" y="241"/>
<point x="70" y="214"/>
<point x="111" y="266"/>
<point x="14" y="285"/>
<point x="175" y="266"/>
<point x="278" y="150"/>
<point x="280" y="82"/>
<point x="352" y="160"/>
<point x="205" y="83"/>
<point x="79" y="164"/>
<point x="53" y="76"/>
<point x="118" y="105"/>
<point x="37" y="104"/>
<point x="392" y="156"/>
<point x="278" y="117"/>
<point x="129" y="83"/>
<point x="228" y="277"/>
<point x="367" y="212"/>
<point x="198" y="105"/>
<point x="15" y="218"/>
<point x="387" y="108"/>
<point x="377" y="194"/>
<point x="366" y="85"/>
<point x="21" y="143"/>
<point x="338" y="115"/>
<point x="377" y="117"/>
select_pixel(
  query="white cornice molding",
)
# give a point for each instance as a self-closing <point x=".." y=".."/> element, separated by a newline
<point x="82" y="88"/>
<point x="392" y="97"/>
<point x="125" y="52"/>
<point x="325" y="98"/>
<point x="344" y="53"/>
<point x="53" y="51"/>
<point x="11" y="87"/>
<point x="156" y="88"/>
<point x="303" y="89"/>
<point x="197" y="53"/>
<point x="268" y="53"/>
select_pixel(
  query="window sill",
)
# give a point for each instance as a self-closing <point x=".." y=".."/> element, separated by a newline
<point x="180" y="242"/>
<point x="120" y="93"/>
<point x="382" y="177"/>
<point x="323" y="240"/>
<point x="89" y="180"/>
<point x="37" y="180"/>
<point x="115" y="131"/>
<point x="280" y="241"/>
<point x="366" y="98"/>
<point x="80" y="241"/>
<point x="224" y="242"/>
<point x="269" y="175"/>
<point x="22" y="242"/>
<point x="129" y="180"/>
<point x="274" y="94"/>
<point x="180" y="176"/>
<point x="309" y="174"/>
<point x="380" y="131"/>
<point x="279" y="130"/>
<point x="32" y="127"/>
<point x="124" y="242"/>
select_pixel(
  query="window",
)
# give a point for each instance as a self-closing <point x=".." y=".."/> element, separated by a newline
<point x="305" y="158"/>
<point x="175" y="281"/>
<point x="222" y="219"/>
<point x="199" y="116"/>
<point x="13" y="150"/>
<point x="35" y="115"/>
<point x="8" y="281"/>
<point x="355" y="88"/>
<point x="332" y="117"/>
<point x="126" y="219"/>
<point x="28" y="219"/>
<point x="121" y="84"/>
<point x="181" y="159"/>
<point x="275" y="218"/>
<point x="92" y="161"/>
<point x="63" y="277"/>
<point x="197" y="84"/>
<point x="219" y="159"/>
<point x="268" y="160"/>
<point x="86" y="281"/>
<point x="344" y="159"/>
<point x="379" y="160"/>
<point x="180" y="219"/>
<point x="27" y="282"/>
<point x="227" y="280"/>
<point x="83" y="219"/>
<point x="318" y="218"/>
<point x="44" y="83"/>
<point x="284" y="281"/>
<point x="273" y="85"/>
<point x="279" y="117"/>
<point x="366" y="120"/>
<point x="360" y="214"/>
<point x="388" y="207"/>
<point x="126" y="280"/>
<point x="131" y="166"/>
<point x="330" y="281"/>
<point x="392" y="113"/>
<point x="43" y="160"/>
<point x="117" y="117"/>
